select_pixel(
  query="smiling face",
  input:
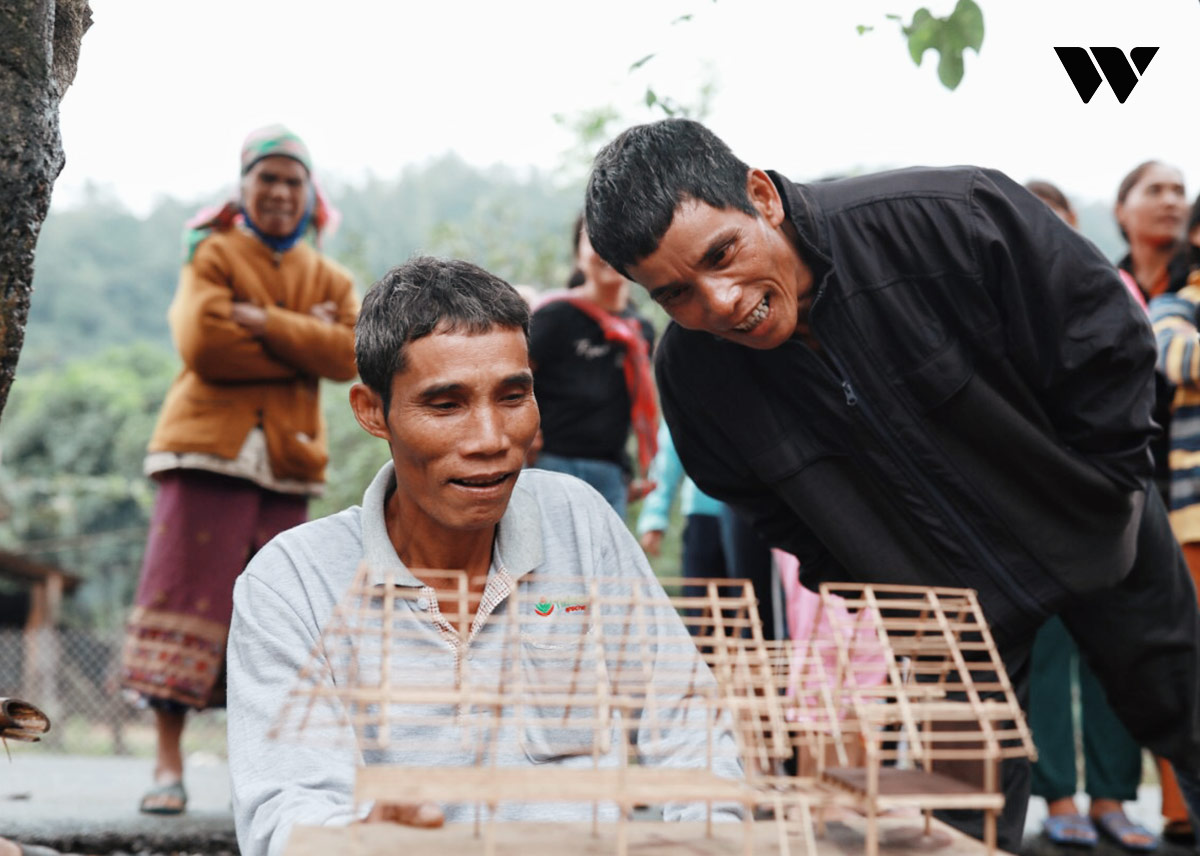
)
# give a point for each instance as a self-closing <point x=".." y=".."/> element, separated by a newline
<point x="730" y="274"/>
<point x="275" y="194"/>
<point x="1156" y="208"/>
<point x="461" y="421"/>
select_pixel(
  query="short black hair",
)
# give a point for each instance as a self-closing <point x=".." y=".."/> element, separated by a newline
<point x="422" y="296"/>
<point x="640" y="178"/>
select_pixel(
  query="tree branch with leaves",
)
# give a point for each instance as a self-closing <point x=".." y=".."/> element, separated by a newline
<point x="950" y="36"/>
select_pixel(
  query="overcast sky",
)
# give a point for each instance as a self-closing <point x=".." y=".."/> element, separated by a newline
<point x="166" y="90"/>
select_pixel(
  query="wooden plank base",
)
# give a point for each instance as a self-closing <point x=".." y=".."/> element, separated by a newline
<point x="916" y="788"/>
<point x="527" y="784"/>
<point x="899" y="836"/>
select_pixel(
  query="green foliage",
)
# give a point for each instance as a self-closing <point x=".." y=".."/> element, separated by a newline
<point x="102" y="277"/>
<point x="354" y="455"/>
<point x="74" y="437"/>
<point x="949" y="36"/>
<point x="589" y="129"/>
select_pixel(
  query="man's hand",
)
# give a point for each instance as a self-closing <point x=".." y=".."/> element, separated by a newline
<point x="253" y="318"/>
<point x="638" y="488"/>
<point x="422" y="815"/>
<point x="326" y="311"/>
<point x="651" y="541"/>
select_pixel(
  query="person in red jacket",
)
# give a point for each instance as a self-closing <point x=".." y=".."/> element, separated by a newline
<point x="259" y="317"/>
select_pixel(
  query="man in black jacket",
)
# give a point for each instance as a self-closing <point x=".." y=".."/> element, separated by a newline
<point x="918" y="377"/>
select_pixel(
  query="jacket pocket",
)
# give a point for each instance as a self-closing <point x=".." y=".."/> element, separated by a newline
<point x="563" y="710"/>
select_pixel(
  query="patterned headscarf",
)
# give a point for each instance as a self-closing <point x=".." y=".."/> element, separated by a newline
<point x="322" y="218"/>
<point x="274" y="140"/>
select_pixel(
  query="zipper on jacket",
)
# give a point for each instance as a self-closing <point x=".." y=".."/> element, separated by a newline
<point x="949" y="513"/>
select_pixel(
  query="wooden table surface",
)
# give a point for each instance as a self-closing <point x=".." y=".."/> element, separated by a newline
<point x="899" y="836"/>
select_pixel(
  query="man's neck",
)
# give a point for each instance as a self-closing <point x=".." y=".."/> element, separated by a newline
<point x="421" y="547"/>
<point x="1149" y="263"/>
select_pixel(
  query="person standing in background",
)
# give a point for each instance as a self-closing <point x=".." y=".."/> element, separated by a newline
<point x="1174" y="315"/>
<point x="1151" y="209"/>
<point x="259" y="317"/>
<point x="591" y="364"/>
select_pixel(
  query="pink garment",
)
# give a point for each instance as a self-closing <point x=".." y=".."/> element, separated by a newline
<point x="815" y="632"/>
<point x="1132" y="285"/>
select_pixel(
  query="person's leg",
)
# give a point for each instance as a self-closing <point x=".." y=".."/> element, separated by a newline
<point x="701" y="556"/>
<point x="1141" y="638"/>
<point x="1112" y="762"/>
<point x="167" y="795"/>
<point x="748" y="557"/>
<point x="168" y="726"/>
<point x="1050" y="719"/>
<point x="1177" y="826"/>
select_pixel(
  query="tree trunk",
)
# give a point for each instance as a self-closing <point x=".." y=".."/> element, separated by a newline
<point x="39" y="50"/>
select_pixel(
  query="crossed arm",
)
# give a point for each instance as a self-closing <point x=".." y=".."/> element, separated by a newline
<point x="226" y="336"/>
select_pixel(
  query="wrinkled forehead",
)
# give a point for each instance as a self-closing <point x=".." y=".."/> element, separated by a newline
<point x="456" y="353"/>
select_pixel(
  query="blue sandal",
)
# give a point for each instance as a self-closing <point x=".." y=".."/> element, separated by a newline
<point x="1130" y="835"/>
<point x="169" y="798"/>
<point x="1071" y="830"/>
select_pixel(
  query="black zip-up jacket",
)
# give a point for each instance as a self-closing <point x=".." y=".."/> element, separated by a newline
<point x="978" y="413"/>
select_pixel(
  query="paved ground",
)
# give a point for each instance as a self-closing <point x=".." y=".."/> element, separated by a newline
<point x="89" y="805"/>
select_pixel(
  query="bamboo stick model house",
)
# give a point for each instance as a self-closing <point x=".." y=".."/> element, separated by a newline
<point x="590" y="702"/>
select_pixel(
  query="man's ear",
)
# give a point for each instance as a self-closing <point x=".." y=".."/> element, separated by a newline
<point x="368" y="410"/>
<point x="764" y="196"/>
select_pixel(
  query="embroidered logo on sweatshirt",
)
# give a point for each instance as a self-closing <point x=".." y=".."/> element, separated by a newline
<point x="547" y="607"/>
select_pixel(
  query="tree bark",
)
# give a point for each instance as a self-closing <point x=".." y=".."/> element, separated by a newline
<point x="39" y="52"/>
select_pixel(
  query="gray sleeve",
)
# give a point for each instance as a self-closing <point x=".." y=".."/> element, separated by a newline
<point x="276" y="783"/>
<point x="673" y="734"/>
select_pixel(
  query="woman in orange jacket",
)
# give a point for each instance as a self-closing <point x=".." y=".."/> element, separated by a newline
<point x="259" y="317"/>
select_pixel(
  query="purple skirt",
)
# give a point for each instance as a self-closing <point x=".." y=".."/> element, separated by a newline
<point x="204" y="529"/>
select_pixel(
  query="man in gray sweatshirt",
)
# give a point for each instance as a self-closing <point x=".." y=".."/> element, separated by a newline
<point x="443" y="355"/>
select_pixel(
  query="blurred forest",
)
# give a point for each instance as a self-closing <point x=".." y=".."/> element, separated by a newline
<point x="98" y="358"/>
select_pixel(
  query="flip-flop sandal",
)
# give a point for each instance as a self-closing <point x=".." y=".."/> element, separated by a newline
<point x="170" y="798"/>
<point x="1072" y="830"/>
<point x="1125" y="832"/>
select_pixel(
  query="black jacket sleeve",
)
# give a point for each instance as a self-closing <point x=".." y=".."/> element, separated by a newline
<point x="710" y="456"/>
<point x="1078" y="338"/>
